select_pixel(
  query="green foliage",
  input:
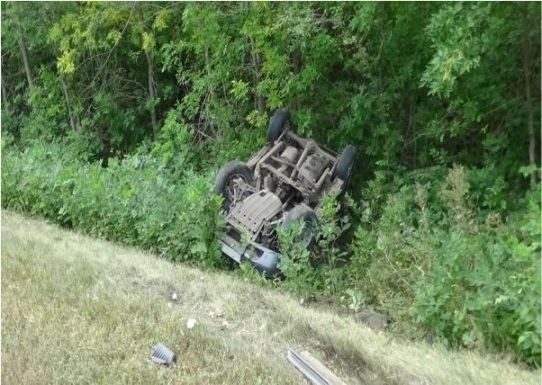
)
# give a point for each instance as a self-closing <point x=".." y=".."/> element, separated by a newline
<point x="295" y="263"/>
<point x="483" y="286"/>
<point x="469" y="278"/>
<point x="450" y="87"/>
<point x="136" y="201"/>
<point x="322" y="269"/>
<point x="456" y="39"/>
<point x="173" y="146"/>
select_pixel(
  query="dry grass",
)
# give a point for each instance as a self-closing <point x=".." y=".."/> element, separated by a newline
<point x="81" y="311"/>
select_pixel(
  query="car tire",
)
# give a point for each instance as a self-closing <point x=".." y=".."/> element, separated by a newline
<point x="343" y="169"/>
<point x="306" y="214"/>
<point x="230" y="171"/>
<point x="277" y="124"/>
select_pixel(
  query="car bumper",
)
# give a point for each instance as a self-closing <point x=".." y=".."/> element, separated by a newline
<point x="261" y="258"/>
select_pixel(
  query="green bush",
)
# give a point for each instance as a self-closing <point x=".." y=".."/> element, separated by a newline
<point x="323" y="270"/>
<point x="483" y="286"/>
<point x="467" y="278"/>
<point x="136" y="201"/>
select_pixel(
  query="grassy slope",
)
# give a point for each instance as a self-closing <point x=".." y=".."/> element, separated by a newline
<point x="82" y="311"/>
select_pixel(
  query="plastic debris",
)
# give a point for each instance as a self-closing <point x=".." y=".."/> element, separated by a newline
<point x="163" y="355"/>
<point x="191" y="323"/>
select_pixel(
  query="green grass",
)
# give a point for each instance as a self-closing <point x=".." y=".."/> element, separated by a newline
<point x="81" y="311"/>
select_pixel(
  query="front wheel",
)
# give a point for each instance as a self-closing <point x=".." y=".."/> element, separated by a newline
<point x="306" y="214"/>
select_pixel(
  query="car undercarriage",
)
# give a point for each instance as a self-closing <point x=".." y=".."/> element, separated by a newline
<point x="284" y="182"/>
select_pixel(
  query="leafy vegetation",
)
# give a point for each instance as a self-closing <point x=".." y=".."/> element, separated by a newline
<point x="135" y="201"/>
<point x="117" y="116"/>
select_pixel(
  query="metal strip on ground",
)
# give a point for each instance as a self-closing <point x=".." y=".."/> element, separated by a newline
<point x="310" y="370"/>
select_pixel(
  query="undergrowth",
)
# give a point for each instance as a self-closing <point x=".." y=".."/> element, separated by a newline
<point x="437" y="265"/>
<point x="136" y="201"/>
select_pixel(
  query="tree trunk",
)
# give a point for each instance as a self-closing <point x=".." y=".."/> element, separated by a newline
<point x="296" y="61"/>
<point x="257" y="60"/>
<point x="68" y="106"/>
<point x="26" y="62"/>
<point x="75" y="123"/>
<point x="209" y="123"/>
<point x="208" y="69"/>
<point x="4" y="92"/>
<point x="297" y="64"/>
<point x="528" y="98"/>
<point x="150" y="76"/>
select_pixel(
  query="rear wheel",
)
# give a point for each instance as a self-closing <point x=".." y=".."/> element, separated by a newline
<point x="278" y="124"/>
<point x="306" y="214"/>
<point x="343" y="170"/>
<point x="225" y="182"/>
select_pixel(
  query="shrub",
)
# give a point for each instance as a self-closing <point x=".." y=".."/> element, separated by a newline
<point x="136" y="201"/>
<point x="483" y="287"/>
<point x="465" y="277"/>
<point x="322" y="270"/>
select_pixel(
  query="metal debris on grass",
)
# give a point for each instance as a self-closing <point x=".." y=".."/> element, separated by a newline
<point x="312" y="369"/>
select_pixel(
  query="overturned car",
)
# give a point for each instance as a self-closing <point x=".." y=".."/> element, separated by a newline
<point x="283" y="183"/>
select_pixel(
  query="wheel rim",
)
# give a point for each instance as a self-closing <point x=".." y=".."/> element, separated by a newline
<point x="231" y="188"/>
<point x="307" y="234"/>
